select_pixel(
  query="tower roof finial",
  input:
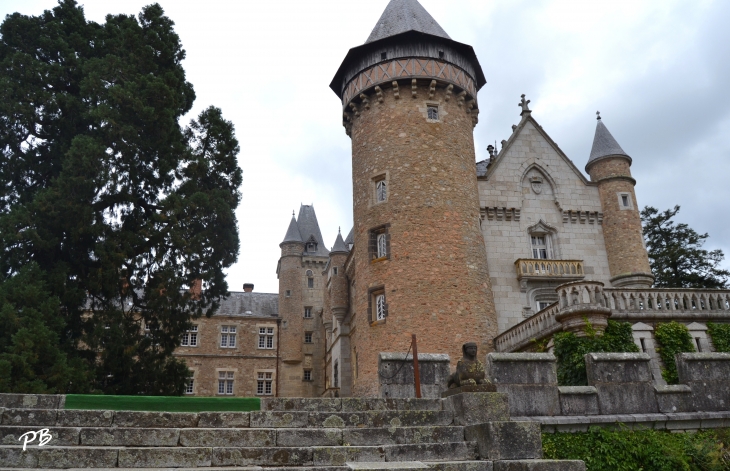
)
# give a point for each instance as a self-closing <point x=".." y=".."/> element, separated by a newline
<point x="598" y="115"/>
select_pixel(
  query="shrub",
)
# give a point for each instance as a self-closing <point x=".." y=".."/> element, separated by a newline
<point x="570" y="349"/>
<point x="646" y="450"/>
<point x="673" y="338"/>
<point x="720" y="334"/>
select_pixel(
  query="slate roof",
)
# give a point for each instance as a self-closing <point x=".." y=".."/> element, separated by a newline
<point x="482" y="167"/>
<point x="339" y="244"/>
<point x="292" y="234"/>
<point x="604" y="144"/>
<point x="350" y="239"/>
<point x="244" y="304"/>
<point x="309" y="229"/>
<point x="401" y="16"/>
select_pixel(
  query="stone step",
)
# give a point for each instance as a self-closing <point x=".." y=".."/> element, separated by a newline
<point x="259" y="419"/>
<point x="460" y="465"/>
<point x="54" y="457"/>
<point x="385" y="466"/>
<point x="347" y="404"/>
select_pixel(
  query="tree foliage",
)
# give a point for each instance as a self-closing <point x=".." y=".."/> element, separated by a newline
<point x="720" y="334"/>
<point x="676" y="255"/>
<point x="117" y="208"/>
<point x="570" y="350"/>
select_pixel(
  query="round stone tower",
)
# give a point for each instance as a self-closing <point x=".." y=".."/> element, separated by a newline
<point x="409" y="98"/>
<point x="610" y="167"/>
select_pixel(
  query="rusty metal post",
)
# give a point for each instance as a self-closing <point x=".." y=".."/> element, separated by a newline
<point x="416" y="373"/>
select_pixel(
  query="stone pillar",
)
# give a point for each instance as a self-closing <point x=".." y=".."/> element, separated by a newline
<point x="623" y="382"/>
<point x="530" y="381"/>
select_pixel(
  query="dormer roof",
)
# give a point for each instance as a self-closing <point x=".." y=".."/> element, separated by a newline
<point x="401" y="16"/>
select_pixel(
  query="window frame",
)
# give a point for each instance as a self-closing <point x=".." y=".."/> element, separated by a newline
<point x="374" y="317"/>
<point x="308" y="337"/>
<point x="373" y="243"/>
<point x="307" y="372"/>
<point x="190" y="337"/>
<point x="226" y="382"/>
<point x="266" y="333"/>
<point x="308" y="312"/>
<point x="625" y="194"/>
<point x="228" y="332"/>
<point x="264" y="382"/>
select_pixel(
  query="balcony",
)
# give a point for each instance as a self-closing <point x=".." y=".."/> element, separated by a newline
<point x="539" y="269"/>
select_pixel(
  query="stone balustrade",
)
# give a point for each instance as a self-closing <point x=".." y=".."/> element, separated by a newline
<point x="541" y="325"/>
<point x="529" y="267"/>
<point x="579" y="299"/>
<point x="668" y="304"/>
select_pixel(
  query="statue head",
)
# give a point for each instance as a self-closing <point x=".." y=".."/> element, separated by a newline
<point x="469" y="350"/>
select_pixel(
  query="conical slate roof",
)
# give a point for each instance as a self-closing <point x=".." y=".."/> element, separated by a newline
<point x="350" y="239"/>
<point x="604" y="144"/>
<point x="339" y="244"/>
<point x="309" y="229"/>
<point x="292" y="234"/>
<point x="405" y="15"/>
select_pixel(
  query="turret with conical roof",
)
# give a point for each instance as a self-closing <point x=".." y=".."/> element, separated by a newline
<point x="610" y="167"/>
<point x="409" y="97"/>
<point x="303" y="257"/>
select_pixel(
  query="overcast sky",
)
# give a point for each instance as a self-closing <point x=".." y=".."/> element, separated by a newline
<point x="657" y="70"/>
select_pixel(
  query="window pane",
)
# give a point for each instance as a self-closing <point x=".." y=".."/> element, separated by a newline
<point x="230" y="375"/>
<point x="262" y="341"/>
<point x="269" y="375"/>
<point x="271" y="330"/>
<point x="194" y="329"/>
<point x="269" y="342"/>
<point x="221" y="374"/>
<point x="268" y="387"/>
<point x="232" y="330"/>
<point x="221" y="386"/>
<point x="224" y="328"/>
<point x="232" y="340"/>
<point x="382" y="246"/>
<point x="380" y="305"/>
<point x="193" y="340"/>
<point x="260" y="387"/>
<point x="261" y="376"/>
<point x="229" y="389"/>
<point x="224" y="340"/>
<point x="310" y="282"/>
<point x="381" y="190"/>
<point x="184" y="341"/>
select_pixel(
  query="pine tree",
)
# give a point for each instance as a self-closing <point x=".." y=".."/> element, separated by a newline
<point x="676" y="255"/>
<point x="119" y="207"/>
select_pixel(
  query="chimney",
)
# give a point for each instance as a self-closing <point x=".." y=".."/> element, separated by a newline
<point x="196" y="288"/>
<point x="247" y="287"/>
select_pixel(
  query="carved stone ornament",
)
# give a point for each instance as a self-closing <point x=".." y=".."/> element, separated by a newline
<point x="469" y="370"/>
<point x="536" y="184"/>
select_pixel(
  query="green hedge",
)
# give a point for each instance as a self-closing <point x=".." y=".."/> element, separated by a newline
<point x="720" y="334"/>
<point x="672" y="338"/>
<point x="646" y="450"/>
<point x="570" y="350"/>
<point x="163" y="403"/>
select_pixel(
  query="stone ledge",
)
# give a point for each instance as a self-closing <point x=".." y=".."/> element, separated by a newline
<point x="669" y="421"/>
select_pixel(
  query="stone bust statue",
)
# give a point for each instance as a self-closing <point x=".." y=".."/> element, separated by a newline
<point x="469" y="370"/>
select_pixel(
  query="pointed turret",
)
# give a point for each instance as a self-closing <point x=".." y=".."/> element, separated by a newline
<point x="401" y="16"/>
<point x="292" y="234"/>
<point x="610" y="168"/>
<point x="339" y="246"/>
<point x="309" y="229"/>
<point x="604" y="145"/>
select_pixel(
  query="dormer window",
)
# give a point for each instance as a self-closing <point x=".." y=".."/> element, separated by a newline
<point x="311" y="247"/>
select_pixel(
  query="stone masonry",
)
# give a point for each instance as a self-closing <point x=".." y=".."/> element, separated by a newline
<point x="432" y="209"/>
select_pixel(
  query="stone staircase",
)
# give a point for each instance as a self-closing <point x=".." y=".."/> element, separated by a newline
<point x="286" y="435"/>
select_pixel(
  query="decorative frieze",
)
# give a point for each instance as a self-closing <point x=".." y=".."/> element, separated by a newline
<point x="408" y="68"/>
<point x="500" y="214"/>
<point x="582" y="217"/>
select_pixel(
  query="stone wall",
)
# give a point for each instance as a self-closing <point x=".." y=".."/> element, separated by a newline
<point x="567" y="203"/>
<point x="432" y="209"/>
<point x="395" y="372"/>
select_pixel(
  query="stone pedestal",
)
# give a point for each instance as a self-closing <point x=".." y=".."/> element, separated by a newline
<point x="470" y="408"/>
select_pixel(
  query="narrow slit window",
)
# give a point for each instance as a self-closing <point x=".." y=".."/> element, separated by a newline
<point x="625" y="200"/>
<point x="381" y="191"/>
<point x="382" y="245"/>
<point x="383" y="56"/>
<point x="643" y="345"/>
<point x="380" y="306"/>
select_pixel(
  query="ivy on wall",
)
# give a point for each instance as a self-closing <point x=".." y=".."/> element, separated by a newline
<point x="570" y="350"/>
<point x="673" y="338"/>
<point x="646" y="450"/>
<point x="720" y="335"/>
